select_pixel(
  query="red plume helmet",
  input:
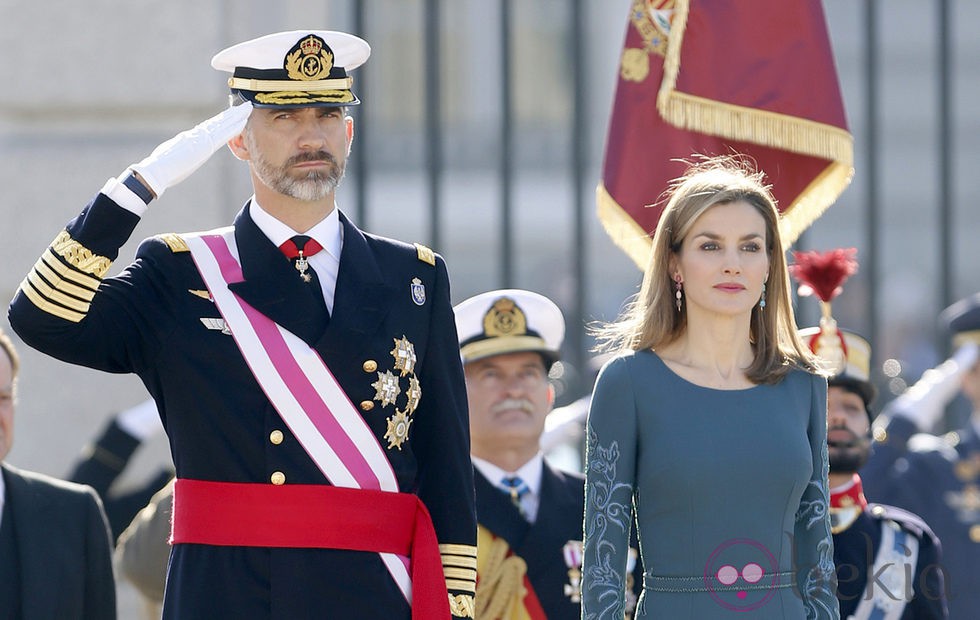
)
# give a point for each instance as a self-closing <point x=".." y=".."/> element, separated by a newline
<point x="824" y="274"/>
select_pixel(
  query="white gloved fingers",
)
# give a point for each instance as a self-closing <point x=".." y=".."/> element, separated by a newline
<point x="966" y="356"/>
<point x="222" y="127"/>
<point x="174" y="160"/>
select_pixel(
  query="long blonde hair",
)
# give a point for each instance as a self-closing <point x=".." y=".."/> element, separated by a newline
<point x="651" y="319"/>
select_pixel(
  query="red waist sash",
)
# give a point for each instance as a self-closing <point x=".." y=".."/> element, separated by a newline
<point x="316" y="516"/>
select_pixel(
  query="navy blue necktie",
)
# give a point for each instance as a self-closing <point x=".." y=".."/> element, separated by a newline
<point x="517" y="489"/>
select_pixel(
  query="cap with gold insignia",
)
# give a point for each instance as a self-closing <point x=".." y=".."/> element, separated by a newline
<point x="299" y="68"/>
<point x="962" y="319"/>
<point x="847" y="354"/>
<point x="509" y="321"/>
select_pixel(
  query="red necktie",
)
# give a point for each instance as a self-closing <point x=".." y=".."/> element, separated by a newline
<point x="299" y="249"/>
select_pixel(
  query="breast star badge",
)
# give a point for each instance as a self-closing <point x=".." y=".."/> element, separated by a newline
<point x="387" y="388"/>
<point x="414" y="394"/>
<point x="398" y="426"/>
<point x="404" y="354"/>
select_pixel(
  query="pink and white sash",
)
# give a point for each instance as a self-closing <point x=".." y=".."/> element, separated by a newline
<point x="299" y="385"/>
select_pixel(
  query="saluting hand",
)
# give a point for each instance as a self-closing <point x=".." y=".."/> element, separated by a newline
<point x="175" y="160"/>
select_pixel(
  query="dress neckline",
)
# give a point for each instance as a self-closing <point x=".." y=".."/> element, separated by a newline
<point x="681" y="379"/>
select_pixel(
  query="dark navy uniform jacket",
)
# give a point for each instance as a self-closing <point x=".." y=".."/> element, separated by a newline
<point x="855" y="550"/>
<point x="55" y="553"/>
<point x="559" y="520"/>
<point x="937" y="478"/>
<point x="148" y="321"/>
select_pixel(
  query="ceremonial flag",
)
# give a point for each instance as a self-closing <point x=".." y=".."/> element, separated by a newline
<point x="717" y="77"/>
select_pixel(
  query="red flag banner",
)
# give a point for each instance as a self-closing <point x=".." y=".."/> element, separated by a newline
<point x="714" y="77"/>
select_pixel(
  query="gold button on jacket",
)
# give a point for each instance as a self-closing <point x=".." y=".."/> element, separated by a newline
<point x="278" y="478"/>
<point x="275" y="437"/>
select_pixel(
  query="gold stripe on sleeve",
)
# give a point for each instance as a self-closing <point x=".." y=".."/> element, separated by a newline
<point x="56" y="296"/>
<point x="459" y="573"/>
<point x="49" y="307"/>
<point x="42" y="269"/>
<point x="467" y="550"/>
<point x="54" y="263"/>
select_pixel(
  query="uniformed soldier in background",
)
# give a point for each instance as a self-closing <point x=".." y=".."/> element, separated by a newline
<point x="887" y="559"/>
<point x="938" y="476"/>
<point x="307" y="373"/>
<point x="104" y="459"/>
<point x="529" y="512"/>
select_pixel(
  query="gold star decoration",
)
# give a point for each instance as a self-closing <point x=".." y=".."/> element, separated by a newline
<point x="398" y="426"/>
<point x="387" y="388"/>
<point x="404" y="354"/>
<point x="414" y="394"/>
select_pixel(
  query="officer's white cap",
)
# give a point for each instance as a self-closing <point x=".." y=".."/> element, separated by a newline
<point x="509" y="321"/>
<point x="295" y="68"/>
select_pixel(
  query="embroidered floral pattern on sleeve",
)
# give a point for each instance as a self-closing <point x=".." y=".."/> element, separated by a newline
<point x="609" y="501"/>
<point x="819" y="581"/>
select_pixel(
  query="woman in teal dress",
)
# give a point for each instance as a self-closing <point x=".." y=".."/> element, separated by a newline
<point x="712" y="423"/>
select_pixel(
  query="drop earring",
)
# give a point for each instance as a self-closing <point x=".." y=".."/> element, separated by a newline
<point x="677" y="291"/>
<point x="762" y="300"/>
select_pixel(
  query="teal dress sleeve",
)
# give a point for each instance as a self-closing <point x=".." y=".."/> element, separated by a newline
<point x="609" y="482"/>
<point x="814" y="545"/>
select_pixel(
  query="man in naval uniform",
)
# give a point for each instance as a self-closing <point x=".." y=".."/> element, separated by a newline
<point x="887" y="559"/>
<point x="530" y="513"/>
<point x="307" y="373"/>
<point x="938" y="476"/>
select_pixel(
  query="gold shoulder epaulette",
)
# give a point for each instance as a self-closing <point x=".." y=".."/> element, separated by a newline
<point x="426" y="255"/>
<point x="175" y="242"/>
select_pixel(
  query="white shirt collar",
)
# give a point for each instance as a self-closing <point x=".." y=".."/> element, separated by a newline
<point x="529" y="472"/>
<point x="326" y="232"/>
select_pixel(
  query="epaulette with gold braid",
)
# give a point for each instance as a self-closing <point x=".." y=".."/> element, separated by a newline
<point x="426" y="255"/>
<point x="175" y="242"/>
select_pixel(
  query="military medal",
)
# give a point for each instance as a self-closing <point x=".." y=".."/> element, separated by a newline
<point x="397" y="433"/>
<point x="302" y="265"/>
<point x="572" y="553"/>
<point x="404" y="354"/>
<point x="387" y="388"/>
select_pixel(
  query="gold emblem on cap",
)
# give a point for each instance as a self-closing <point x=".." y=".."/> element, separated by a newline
<point x="505" y="318"/>
<point x="310" y="59"/>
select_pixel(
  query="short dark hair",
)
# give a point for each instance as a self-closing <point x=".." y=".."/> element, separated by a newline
<point x="8" y="347"/>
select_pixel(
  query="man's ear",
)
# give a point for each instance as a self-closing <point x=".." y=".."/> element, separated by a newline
<point x="238" y="147"/>
<point x="349" y="121"/>
<point x="551" y="395"/>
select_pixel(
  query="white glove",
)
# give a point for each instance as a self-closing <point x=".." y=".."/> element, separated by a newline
<point x="175" y="160"/>
<point x="925" y="402"/>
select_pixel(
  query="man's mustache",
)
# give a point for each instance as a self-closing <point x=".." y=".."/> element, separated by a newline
<point x="513" y="403"/>
<point x="853" y="438"/>
<point x="314" y="156"/>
